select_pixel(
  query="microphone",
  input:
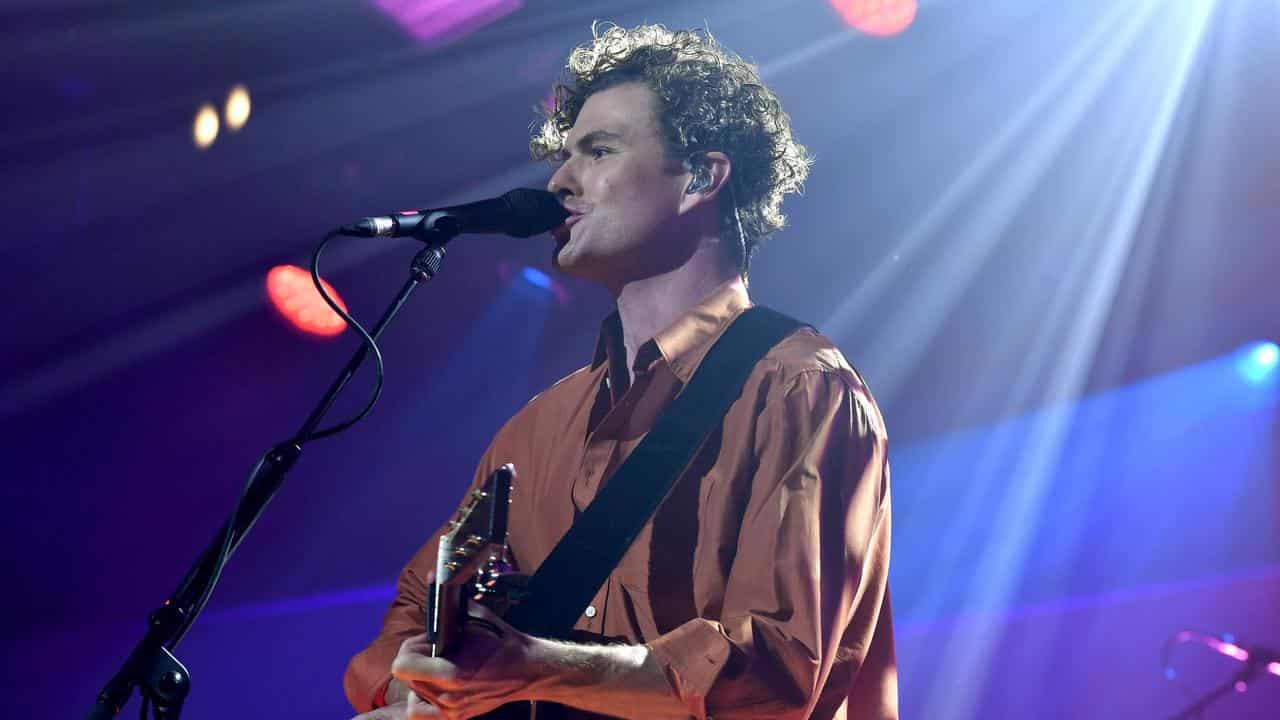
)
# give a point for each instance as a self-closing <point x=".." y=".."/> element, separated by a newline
<point x="522" y="212"/>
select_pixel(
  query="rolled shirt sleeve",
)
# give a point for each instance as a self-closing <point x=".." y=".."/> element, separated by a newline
<point x="805" y="620"/>
<point x="369" y="672"/>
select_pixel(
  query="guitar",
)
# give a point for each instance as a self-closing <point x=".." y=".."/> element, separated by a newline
<point x="471" y="558"/>
<point x="472" y="566"/>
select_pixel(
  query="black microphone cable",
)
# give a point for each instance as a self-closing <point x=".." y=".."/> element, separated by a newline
<point x="355" y="325"/>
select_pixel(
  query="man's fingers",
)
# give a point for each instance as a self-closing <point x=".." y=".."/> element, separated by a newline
<point x="446" y="705"/>
<point x="478" y="611"/>
<point x="490" y="627"/>
<point x="434" y="672"/>
<point x="413" y="665"/>
<point x="420" y="709"/>
<point x="417" y="643"/>
<point x="398" y="711"/>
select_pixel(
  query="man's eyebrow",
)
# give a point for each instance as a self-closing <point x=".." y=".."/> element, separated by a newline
<point x="596" y="135"/>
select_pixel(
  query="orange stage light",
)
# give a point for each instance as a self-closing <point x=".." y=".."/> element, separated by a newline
<point x="293" y="295"/>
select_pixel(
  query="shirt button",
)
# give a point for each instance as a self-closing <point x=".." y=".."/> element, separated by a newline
<point x="590" y="611"/>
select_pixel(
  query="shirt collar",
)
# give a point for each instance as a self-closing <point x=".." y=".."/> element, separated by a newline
<point x="686" y="341"/>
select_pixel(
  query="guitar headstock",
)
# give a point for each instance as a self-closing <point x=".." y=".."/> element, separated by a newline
<point x="478" y="531"/>
<point x="476" y="535"/>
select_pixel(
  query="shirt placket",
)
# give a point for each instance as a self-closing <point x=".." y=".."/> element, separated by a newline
<point x="597" y="458"/>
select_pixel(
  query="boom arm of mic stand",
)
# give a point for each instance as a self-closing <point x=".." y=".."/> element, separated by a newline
<point x="1196" y="708"/>
<point x="151" y="666"/>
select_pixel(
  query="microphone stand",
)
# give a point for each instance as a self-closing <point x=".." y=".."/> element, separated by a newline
<point x="161" y="679"/>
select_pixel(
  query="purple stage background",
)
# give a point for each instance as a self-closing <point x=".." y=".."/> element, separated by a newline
<point x="1047" y="233"/>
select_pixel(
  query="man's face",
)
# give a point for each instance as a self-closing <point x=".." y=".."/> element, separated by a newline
<point x="625" y="192"/>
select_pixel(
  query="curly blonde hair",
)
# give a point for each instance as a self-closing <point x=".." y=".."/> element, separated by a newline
<point x="710" y="100"/>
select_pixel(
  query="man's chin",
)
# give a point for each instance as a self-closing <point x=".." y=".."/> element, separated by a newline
<point x="567" y="266"/>
<point x="567" y="259"/>
<point x="561" y="260"/>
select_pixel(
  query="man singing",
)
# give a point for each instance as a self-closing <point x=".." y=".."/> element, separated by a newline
<point x="759" y="587"/>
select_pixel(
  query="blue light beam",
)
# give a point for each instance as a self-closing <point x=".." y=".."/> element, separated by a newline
<point x="536" y="278"/>
<point x="1258" y="361"/>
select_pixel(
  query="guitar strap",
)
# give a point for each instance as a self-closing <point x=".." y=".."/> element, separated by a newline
<point x="592" y="547"/>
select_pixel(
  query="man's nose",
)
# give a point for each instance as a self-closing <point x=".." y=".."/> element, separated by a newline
<point x="563" y="184"/>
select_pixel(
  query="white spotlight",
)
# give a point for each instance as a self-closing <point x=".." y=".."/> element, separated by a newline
<point x="236" y="112"/>
<point x="205" y="129"/>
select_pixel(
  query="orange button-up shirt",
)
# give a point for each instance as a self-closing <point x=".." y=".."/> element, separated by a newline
<point x="761" y="582"/>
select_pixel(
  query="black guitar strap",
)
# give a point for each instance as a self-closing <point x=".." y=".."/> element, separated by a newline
<point x="579" y="564"/>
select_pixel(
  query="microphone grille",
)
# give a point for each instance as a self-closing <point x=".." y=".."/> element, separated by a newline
<point x="533" y="212"/>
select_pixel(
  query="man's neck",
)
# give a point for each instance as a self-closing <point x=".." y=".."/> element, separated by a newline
<point x="648" y="306"/>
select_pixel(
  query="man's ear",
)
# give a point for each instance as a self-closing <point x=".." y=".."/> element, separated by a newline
<point x="705" y="175"/>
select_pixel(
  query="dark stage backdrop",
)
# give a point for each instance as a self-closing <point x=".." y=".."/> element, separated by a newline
<point x="1043" y="231"/>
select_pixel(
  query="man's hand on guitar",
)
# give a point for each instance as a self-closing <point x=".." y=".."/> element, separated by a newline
<point x="492" y="666"/>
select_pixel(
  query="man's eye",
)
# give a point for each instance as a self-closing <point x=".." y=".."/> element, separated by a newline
<point x="599" y="152"/>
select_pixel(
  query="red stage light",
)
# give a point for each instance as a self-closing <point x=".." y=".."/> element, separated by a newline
<point x="877" y="17"/>
<point x="293" y="295"/>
